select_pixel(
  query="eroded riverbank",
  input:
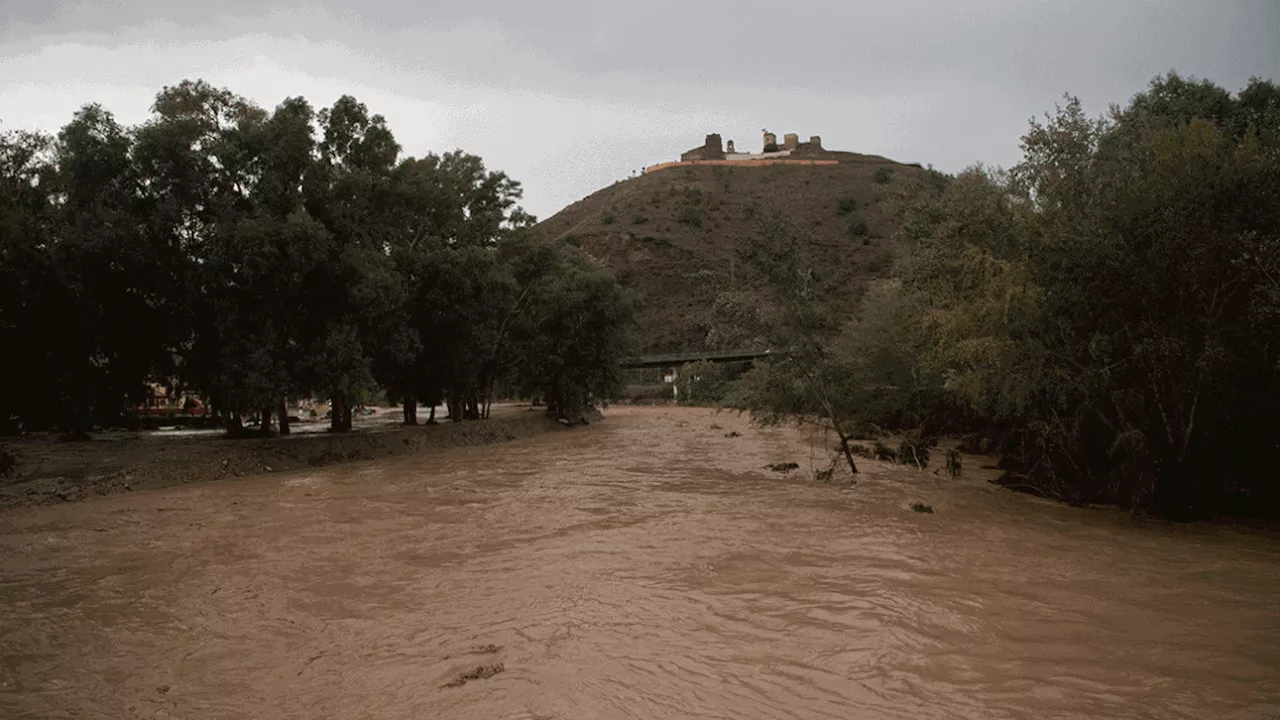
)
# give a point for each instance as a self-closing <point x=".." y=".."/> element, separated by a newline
<point x="645" y="567"/>
<point x="50" y="472"/>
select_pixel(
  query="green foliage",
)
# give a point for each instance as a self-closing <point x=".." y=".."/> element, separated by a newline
<point x="570" y="338"/>
<point x="858" y="228"/>
<point x="609" y="218"/>
<point x="703" y="383"/>
<point x="915" y="450"/>
<point x="846" y="205"/>
<point x="884" y="452"/>
<point x="639" y="219"/>
<point x="882" y="176"/>
<point x="1109" y="303"/>
<point x="821" y="365"/>
<point x="737" y="320"/>
<point x="253" y="256"/>
<point x="691" y="216"/>
<point x="1108" y="309"/>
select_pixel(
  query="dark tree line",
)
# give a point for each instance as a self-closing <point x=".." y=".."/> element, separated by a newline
<point x="258" y="256"/>
<point x="1107" y="312"/>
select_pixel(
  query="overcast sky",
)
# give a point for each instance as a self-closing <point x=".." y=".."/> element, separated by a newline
<point x="568" y="96"/>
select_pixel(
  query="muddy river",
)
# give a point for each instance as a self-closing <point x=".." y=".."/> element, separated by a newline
<point x="645" y="567"/>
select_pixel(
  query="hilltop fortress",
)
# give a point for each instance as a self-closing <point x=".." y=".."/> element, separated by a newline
<point x="791" y="151"/>
<point x="791" y="145"/>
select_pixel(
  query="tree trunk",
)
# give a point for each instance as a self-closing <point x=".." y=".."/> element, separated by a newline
<point x="456" y="410"/>
<point x="431" y="417"/>
<point x="488" y="397"/>
<point x="265" y="428"/>
<point x="411" y="410"/>
<point x="234" y="426"/>
<point x="848" y="454"/>
<point x="347" y="413"/>
<point x="337" y="412"/>
<point x="283" y="410"/>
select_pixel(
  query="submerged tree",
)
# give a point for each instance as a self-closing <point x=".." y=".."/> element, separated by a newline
<point x="802" y="377"/>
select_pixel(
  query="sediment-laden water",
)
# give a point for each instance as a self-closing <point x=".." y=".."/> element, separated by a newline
<point x="645" y="567"/>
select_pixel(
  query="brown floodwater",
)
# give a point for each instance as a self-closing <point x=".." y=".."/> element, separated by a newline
<point x="645" y="567"/>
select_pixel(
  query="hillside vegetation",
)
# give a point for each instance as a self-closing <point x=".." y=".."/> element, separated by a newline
<point x="674" y="235"/>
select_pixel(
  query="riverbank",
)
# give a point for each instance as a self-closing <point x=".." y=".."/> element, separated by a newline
<point x="47" y="471"/>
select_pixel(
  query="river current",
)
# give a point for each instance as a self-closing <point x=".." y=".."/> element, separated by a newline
<point x="649" y="566"/>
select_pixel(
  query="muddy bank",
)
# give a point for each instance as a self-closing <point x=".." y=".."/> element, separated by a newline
<point x="48" y="472"/>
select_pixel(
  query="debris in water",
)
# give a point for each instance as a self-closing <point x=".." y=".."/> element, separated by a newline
<point x="922" y="508"/>
<point x="733" y="433"/>
<point x="953" y="464"/>
<point x="479" y="672"/>
<point x="783" y="467"/>
<point x="715" y="426"/>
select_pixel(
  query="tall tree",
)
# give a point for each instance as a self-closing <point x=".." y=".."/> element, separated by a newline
<point x="349" y="192"/>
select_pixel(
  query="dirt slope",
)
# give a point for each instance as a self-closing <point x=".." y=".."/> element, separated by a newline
<point x="672" y="235"/>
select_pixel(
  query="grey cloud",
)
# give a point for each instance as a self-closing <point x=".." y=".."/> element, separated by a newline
<point x="835" y="46"/>
<point x="948" y="83"/>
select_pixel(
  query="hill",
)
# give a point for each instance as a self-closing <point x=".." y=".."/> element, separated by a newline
<point x="672" y="234"/>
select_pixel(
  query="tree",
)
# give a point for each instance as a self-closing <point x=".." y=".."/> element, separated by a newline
<point x="569" y="339"/>
<point x="258" y="256"/>
<point x="348" y="191"/>
<point x="802" y="377"/>
<point x="450" y="213"/>
<point x="1101" y="302"/>
<point x="30" y="289"/>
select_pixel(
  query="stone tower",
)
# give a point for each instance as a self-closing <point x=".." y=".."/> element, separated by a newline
<point x="729" y="147"/>
<point x="770" y="140"/>
<point x="790" y="141"/>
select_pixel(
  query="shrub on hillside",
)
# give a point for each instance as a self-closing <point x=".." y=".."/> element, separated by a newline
<point x="882" y="176"/>
<point x="847" y="205"/>
<point x="691" y="217"/>
<point x="858" y="228"/>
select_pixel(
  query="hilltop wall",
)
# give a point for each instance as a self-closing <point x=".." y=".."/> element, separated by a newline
<point x="739" y="163"/>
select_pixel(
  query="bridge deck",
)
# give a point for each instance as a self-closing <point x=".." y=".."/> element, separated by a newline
<point x="677" y="359"/>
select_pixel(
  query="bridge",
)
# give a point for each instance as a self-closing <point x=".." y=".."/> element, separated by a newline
<point x="674" y="360"/>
